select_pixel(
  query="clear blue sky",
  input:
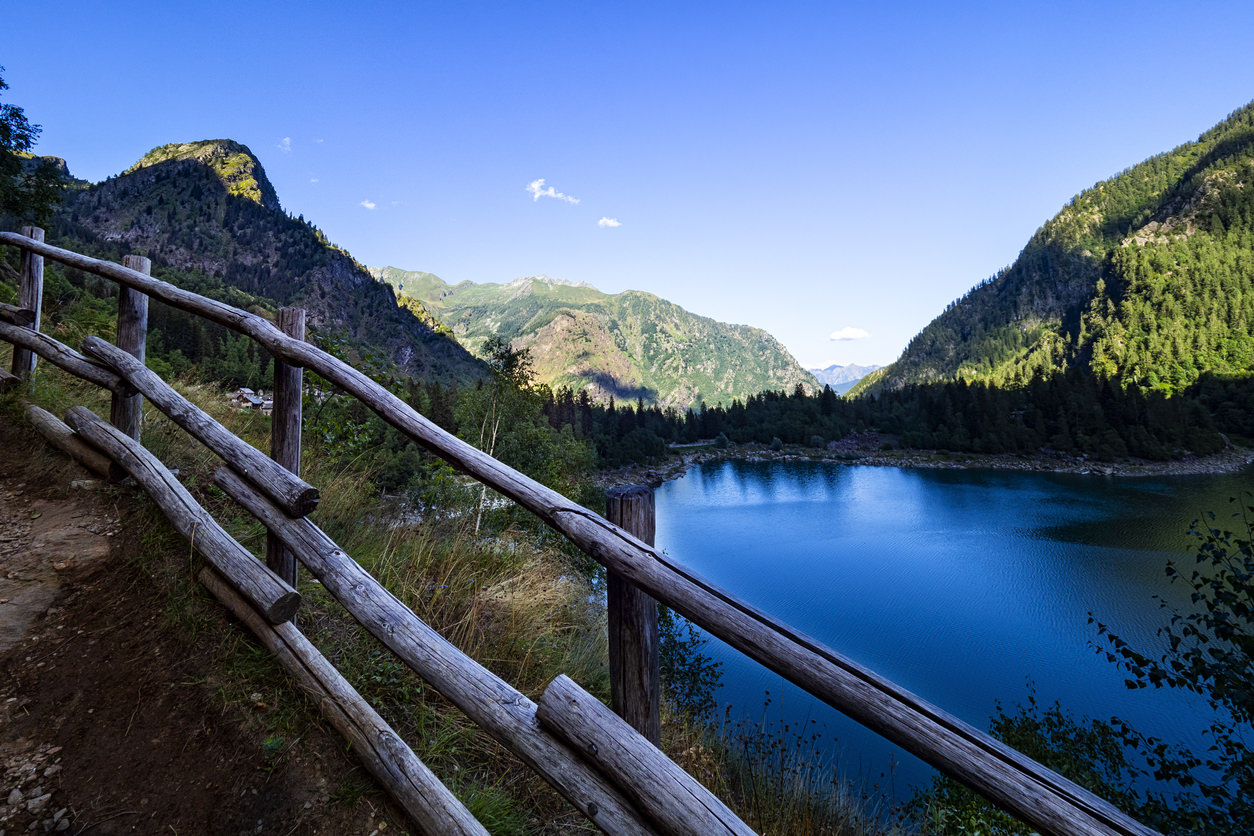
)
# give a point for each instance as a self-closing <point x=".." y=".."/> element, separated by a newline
<point x="808" y="168"/>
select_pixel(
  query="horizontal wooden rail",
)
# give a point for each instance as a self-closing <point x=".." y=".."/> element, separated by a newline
<point x="1038" y="796"/>
<point x="274" y="599"/>
<point x="295" y="496"/>
<point x="56" y="433"/>
<point x="429" y="803"/>
<point x="492" y="703"/>
<point x="678" y="801"/>
<point x="61" y="355"/>
<point x="14" y="315"/>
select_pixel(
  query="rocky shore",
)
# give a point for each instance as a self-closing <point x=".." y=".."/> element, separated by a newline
<point x="1229" y="461"/>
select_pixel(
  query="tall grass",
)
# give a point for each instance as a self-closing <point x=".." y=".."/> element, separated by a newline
<point x="513" y="596"/>
<point x="779" y="779"/>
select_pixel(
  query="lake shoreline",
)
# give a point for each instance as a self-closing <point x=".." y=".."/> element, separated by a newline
<point x="1231" y="460"/>
<point x="958" y="582"/>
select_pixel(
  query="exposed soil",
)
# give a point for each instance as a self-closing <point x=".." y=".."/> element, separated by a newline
<point x="111" y="721"/>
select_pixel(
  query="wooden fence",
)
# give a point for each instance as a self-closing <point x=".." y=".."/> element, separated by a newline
<point x="609" y="768"/>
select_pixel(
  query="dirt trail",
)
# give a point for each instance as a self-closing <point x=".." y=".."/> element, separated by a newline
<point x="109" y="720"/>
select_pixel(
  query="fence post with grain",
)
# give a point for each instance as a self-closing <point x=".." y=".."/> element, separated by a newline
<point x="30" y="295"/>
<point x="635" y="678"/>
<point x="285" y="424"/>
<point x="126" y="411"/>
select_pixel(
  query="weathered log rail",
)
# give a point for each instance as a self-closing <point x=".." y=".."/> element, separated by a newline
<point x="499" y="709"/>
<point x="296" y="497"/>
<point x="14" y="315"/>
<point x="1035" y="794"/>
<point x="428" y="802"/>
<point x="264" y="590"/>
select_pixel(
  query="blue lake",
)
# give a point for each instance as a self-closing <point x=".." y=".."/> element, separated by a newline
<point x="959" y="585"/>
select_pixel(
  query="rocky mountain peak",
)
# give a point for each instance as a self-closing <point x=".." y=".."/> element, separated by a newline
<point x="234" y="164"/>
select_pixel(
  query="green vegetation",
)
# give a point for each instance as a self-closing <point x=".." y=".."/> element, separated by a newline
<point x="778" y="778"/>
<point x="491" y="579"/>
<point x="29" y="186"/>
<point x="510" y="597"/>
<point x="1143" y="280"/>
<point x="1068" y="415"/>
<point x="1210" y="651"/>
<point x="633" y="351"/>
<point x="233" y="164"/>
<point x="1122" y="330"/>
<point x="627" y="346"/>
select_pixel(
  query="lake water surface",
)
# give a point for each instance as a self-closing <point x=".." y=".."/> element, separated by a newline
<point x="958" y="585"/>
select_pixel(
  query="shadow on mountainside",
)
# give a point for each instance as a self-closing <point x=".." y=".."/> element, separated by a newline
<point x="111" y="719"/>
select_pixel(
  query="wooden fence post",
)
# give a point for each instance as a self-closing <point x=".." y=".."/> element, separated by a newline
<point x="125" y="412"/>
<point x="285" y="425"/>
<point x="635" y="681"/>
<point x="30" y="295"/>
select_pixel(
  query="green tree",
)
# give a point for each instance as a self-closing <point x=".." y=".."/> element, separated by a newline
<point x="504" y="417"/>
<point x="1211" y="653"/>
<point x="28" y="188"/>
<point x="1094" y="753"/>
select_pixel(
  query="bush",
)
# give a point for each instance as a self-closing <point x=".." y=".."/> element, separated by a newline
<point x="689" y="676"/>
<point x="1211" y="653"/>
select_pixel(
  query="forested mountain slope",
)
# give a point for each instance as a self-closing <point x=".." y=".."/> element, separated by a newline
<point x="626" y="346"/>
<point x="210" y="220"/>
<point x="1146" y="279"/>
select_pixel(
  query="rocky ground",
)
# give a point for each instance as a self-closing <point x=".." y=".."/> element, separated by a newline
<point x="111" y="720"/>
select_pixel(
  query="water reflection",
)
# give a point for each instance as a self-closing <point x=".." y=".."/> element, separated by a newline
<point x="959" y="585"/>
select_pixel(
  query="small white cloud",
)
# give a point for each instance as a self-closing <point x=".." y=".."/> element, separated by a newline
<point x="319" y="141"/>
<point x="848" y="334"/>
<point x="537" y="190"/>
<point x="313" y="179"/>
<point x="286" y="145"/>
<point x="609" y="223"/>
<point x="369" y="204"/>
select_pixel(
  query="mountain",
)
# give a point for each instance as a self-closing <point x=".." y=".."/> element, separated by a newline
<point x="209" y="218"/>
<point x="842" y="378"/>
<point x="627" y="346"/>
<point x="1146" y="279"/>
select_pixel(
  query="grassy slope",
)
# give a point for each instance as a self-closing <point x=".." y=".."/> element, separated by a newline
<point x="628" y="346"/>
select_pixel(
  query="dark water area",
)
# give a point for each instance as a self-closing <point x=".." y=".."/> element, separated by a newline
<point x="959" y="585"/>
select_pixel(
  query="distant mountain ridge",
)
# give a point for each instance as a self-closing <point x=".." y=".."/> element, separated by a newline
<point x="842" y="378"/>
<point x="626" y="346"/>
<point x="208" y="211"/>
<point x="1146" y="279"/>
